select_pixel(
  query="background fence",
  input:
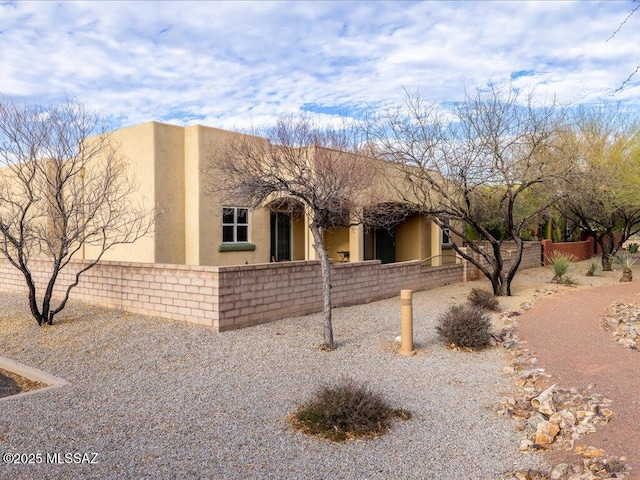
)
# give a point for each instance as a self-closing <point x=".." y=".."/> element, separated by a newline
<point x="580" y="250"/>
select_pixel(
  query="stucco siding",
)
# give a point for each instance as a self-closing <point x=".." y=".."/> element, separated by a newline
<point x="169" y="193"/>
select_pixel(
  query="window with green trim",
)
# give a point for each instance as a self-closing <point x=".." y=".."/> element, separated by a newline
<point x="235" y="224"/>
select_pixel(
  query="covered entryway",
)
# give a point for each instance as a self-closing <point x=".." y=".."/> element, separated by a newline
<point x="286" y="230"/>
<point x="385" y="245"/>
<point x="407" y="235"/>
<point x="280" y="236"/>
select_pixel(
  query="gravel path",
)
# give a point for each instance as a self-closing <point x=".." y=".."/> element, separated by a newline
<point x="161" y="399"/>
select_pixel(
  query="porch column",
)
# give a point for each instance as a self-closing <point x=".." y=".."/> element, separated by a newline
<point x="436" y="244"/>
<point x="356" y="243"/>
<point x="310" y="252"/>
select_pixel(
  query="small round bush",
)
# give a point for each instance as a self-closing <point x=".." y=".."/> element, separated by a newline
<point x="483" y="299"/>
<point x="465" y="326"/>
<point x="346" y="411"/>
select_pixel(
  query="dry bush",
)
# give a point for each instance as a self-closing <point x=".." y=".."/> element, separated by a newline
<point x="483" y="299"/>
<point x="465" y="326"/>
<point x="346" y="411"/>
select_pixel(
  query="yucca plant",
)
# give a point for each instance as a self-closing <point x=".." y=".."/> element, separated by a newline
<point x="626" y="262"/>
<point x="559" y="263"/>
<point x="593" y="268"/>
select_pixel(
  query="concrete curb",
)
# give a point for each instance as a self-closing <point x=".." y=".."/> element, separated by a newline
<point x="32" y="374"/>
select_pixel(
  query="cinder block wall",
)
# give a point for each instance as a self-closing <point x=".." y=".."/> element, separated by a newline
<point x="254" y="294"/>
<point x="179" y="292"/>
<point x="233" y="297"/>
<point x="531" y="257"/>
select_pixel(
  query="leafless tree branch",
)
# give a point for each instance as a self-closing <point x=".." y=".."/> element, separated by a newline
<point x="321" y="168"/>
<point x="62" y="186"/>
<point x="479" y="169"/>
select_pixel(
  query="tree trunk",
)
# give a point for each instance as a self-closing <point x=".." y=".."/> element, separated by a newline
<point x="325" y="268"/>
<point x="497" y="278"/>
<point x="513" y="269"/>
<point x="606" y="245"/>
<point x="31" y="286"/>
<point x="497" y="283"/>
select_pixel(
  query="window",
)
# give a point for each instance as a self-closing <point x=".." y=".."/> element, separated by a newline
<point x="446" y="237"/>
<point x="235" y="224"/>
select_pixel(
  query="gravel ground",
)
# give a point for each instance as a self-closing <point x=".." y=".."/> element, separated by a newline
<point x="162" y="399"/>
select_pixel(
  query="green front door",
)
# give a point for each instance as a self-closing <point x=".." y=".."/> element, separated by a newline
<point x="386" y="245"/>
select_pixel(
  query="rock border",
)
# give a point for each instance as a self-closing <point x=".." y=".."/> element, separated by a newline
<point x="552" y="417"/>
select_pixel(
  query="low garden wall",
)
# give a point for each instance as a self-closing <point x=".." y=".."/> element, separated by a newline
<point x="580" y="250"/>
<point x="531" y="257"/>
<point x="232" y="297"/>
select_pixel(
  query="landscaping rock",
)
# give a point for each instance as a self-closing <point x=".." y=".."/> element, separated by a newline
<point x="559" y="470"/>
<point x="557" y="417"/>
<point x="546" y="433"/>
<point x="623" y="321"/>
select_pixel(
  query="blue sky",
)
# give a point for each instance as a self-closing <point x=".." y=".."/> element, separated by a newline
<point x="236" y="64"/>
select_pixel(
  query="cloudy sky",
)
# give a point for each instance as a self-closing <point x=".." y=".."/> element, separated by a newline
<point x="235" y="64"/>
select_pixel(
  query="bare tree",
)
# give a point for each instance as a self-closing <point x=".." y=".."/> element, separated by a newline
<point x="479" y="169"/>
<point x="603" y="190"/>
<point x="301" y="160"/>
<point x="637" y="69"/>
<point x="62" y="187"/>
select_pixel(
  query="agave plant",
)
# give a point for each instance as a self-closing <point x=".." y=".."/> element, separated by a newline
<point x="626" y="262"/>
<point x="559" y="263"/>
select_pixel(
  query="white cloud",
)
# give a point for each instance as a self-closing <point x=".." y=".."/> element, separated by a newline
<point x="227" y="64"/>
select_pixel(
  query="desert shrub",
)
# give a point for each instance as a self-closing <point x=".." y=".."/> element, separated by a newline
<point x="483" y="299"/>
<point x="593" y="268"/>
<point x="346" y="411"/>
<point x="633" y="248"/>
<point x="465" y="326"/>
<point x="559" y="263"/>
<point x="626" y="262"/>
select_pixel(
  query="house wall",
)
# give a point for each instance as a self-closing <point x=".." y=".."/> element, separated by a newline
<point x="413" y="239"/>
<point x="336" y="240"/>
<point x="192" y="192"/>
<point x="169" y="175"/>
<point x="298" y="247"/>
<point x="137" y="148"/>
<point x="170" y="164"/>
<point x="208" y="224"/>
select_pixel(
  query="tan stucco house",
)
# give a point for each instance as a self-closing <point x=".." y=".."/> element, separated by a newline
<point x="195" y="228"/>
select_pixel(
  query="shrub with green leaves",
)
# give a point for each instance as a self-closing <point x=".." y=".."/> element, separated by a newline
<point x="593" y="268"/>
<point x="633" y="247"/>
<point x="465" y="326"/>
<point x="483" y="299"/>
<point x="346" y="411"/>
<point x="626" y="262"/>
<point x="559" y="263"/>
